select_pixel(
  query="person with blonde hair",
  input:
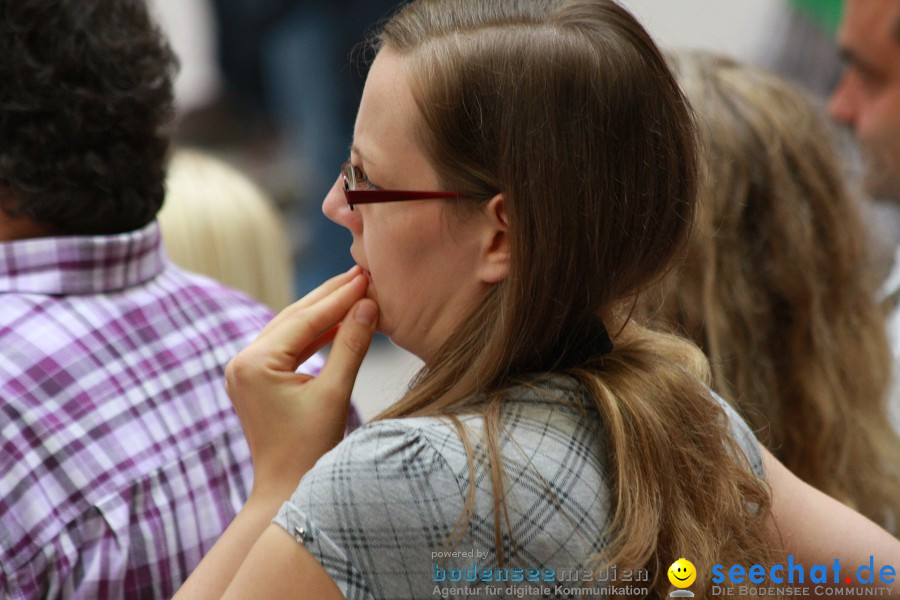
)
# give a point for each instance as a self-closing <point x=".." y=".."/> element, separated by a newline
<point x="776" y="286"/>
<point x="218" y="222"/>
<point x="519" y="171"/>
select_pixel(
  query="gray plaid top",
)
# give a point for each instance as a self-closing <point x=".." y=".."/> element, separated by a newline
<point x="378" y="510"/>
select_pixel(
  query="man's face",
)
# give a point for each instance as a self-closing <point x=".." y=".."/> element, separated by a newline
<point x="868" y="95"/>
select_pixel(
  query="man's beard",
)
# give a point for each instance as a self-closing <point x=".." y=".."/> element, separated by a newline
<point x="881" y="175"/>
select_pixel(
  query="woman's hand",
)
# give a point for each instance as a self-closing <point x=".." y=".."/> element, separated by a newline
<point x="291" y="419"/>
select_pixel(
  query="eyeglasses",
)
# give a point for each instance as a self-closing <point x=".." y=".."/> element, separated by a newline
<point x="352" y="177"/>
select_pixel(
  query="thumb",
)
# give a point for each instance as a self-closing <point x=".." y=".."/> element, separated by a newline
<point x="349" y="348"/>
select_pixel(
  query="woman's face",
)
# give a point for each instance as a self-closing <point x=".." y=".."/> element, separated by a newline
<point x="422" y="264"/>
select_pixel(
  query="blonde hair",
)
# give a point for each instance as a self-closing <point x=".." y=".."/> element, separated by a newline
<point x="776" y="288"/>
<point x="568" y="109"/>
<point x="218" y="222"/>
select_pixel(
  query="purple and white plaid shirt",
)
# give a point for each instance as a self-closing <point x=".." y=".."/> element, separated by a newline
<point x="122" y="460"/>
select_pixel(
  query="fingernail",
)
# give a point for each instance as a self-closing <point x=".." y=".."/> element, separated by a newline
<point x="366" y="313"/>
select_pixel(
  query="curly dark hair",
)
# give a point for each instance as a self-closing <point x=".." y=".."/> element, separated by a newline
<point x="85" y="100"/>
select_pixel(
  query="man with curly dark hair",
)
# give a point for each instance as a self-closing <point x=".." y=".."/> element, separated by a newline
<point x="121" y="460"/>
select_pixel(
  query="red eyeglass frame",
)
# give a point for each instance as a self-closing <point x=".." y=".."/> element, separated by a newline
<point x="374" y="196"/>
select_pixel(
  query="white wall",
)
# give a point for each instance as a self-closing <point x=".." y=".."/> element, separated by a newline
<point x="191" y="30"/>
<point x="740" y="28"/>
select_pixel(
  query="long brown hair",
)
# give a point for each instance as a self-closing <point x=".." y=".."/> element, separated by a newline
<point x="776" y="287"/>
<point x="568" y="109"/>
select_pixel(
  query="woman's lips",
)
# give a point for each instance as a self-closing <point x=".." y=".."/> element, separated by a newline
<point x="365" y="271"/>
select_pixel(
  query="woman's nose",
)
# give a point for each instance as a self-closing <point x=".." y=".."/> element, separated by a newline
<point x="336" y="208"/>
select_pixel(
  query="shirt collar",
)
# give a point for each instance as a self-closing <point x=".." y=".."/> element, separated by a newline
<point x="89" y="264"/>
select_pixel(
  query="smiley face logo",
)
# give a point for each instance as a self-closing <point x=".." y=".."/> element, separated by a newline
<point x="682" y="573"/>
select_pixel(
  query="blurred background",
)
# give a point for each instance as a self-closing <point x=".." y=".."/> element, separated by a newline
<point x="271" y="87"/>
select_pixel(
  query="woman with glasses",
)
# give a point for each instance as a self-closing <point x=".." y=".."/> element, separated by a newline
<point x="520" y="170"/>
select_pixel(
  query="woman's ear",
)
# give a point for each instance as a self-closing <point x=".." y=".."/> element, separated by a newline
<point x="495" y="250"/>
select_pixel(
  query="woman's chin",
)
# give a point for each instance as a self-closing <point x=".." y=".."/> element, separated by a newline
<point x="370" y="286"/>
<point x="385" y="328"/>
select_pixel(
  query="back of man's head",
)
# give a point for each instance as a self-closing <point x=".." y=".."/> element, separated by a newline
<point x="85" y="98"/>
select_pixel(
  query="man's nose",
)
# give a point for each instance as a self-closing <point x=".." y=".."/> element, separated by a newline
<point x="843" y="106"/>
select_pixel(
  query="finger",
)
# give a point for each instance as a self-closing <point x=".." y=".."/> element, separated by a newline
<point x="314" y="296"/>
<point x="294" y="311"/>
<point x="329" y="286"/>
<point x="316" y="345"/>
<point x="349" y="348"/>
<point x="294" y="337"/>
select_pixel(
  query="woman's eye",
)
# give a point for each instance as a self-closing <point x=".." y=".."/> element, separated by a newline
<point x="362" y="180"/>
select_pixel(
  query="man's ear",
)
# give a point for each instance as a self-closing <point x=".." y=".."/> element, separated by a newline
<point x="495" y="249"/>
<point x="14" y="226"/>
